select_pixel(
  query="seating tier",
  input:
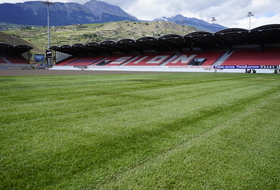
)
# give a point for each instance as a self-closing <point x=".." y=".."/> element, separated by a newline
<point x="68" y="61"/>
<point x="16" y="59"/>
<point x="254" y="57"/>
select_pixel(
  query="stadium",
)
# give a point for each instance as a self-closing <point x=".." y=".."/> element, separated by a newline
<point x="188" y="118"/>
<point x="229" y="50"/>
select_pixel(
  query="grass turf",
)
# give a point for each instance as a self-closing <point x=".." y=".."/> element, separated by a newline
<point x="140" y="131"/>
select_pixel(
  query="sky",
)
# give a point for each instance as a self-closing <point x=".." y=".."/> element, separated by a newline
<point x="229" y="13"/>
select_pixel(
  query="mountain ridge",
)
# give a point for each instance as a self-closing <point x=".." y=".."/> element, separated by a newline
<point x="194" y="22"/>
<point x="35" y="13"/>
<point x="62" y="14"/>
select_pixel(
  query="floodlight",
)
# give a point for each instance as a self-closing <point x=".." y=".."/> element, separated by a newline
<point x="213" y="19"/>
<point x="250" y="14"/>
<point x="48" y="3"/>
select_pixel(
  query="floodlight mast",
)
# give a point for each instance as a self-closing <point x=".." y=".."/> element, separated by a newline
<point x="250" y="14"/>
<point x="48" y="3"/>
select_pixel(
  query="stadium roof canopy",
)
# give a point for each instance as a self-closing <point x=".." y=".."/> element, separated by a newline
<point x="224" y="39"/>
<point x="18" y="49"/>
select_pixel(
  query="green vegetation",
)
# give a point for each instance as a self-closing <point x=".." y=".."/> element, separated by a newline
<point x="8" y="26"/>
<point x="141" y="131"/>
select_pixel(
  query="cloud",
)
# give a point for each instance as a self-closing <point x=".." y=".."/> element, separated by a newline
<point x="229" y="13"/>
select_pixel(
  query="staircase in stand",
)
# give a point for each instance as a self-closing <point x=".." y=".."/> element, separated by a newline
<point x="223" y="58"/>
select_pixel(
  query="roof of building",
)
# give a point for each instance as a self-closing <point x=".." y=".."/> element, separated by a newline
<point x="224" y="39"/>
<point x="14" y="49"/>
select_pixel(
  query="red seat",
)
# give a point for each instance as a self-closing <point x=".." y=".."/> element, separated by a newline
<point x="67" y="61"/>
<point x="183" y="59"/>
<point x="16" y="59"/>
<point x="186" y="58"/>
<point x="86" y="61"/>
<point x="211" y="57"/>
<point x="254" y="57"/>
<point x="150" y="59"/>
<point x="116" y="60"/>
<point x="2" y="60"/>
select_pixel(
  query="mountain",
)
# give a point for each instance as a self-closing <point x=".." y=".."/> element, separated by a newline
<point x="34" y="13"/>
<point x="61" y="14"/>
<point x="194" y="22"/>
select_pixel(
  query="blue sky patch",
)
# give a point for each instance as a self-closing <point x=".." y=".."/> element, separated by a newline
<point x="267" y="14"/>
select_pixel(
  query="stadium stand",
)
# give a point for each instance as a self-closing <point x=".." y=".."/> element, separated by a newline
<point x="233" y="46"/>
<point x="254" y="57"/>
<point x="14" y="57"/>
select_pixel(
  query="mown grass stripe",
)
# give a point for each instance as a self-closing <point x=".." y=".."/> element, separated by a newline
<point x="122" y="179"/>
<point x="103" y="128"/>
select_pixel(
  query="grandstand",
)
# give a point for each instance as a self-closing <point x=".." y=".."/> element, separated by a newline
<point x="14" y="57"/>
<point x="230" y="47"/>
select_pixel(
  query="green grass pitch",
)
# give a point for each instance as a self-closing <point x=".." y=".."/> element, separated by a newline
<point x="140" y="131"/>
